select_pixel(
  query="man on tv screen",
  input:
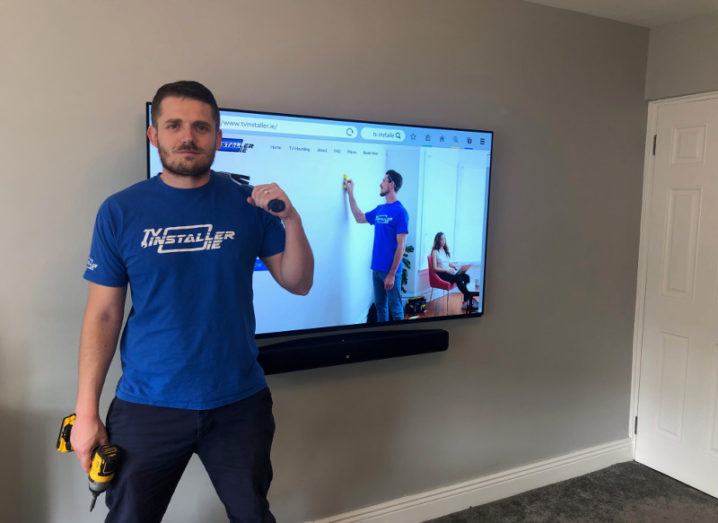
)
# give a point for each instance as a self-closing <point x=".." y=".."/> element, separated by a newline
<point x="391" y="227"/>
<point x="185" y="242"/>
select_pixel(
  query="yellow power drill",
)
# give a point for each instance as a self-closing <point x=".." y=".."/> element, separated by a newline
<point x="105" y="460"/>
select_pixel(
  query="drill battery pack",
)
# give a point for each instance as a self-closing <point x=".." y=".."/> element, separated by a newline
<point x="63" y="438"/>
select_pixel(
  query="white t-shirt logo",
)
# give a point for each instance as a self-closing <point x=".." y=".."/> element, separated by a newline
<point x="185" y="238"/>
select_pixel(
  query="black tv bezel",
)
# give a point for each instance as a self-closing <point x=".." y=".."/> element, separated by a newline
<point x="364" y="326"/>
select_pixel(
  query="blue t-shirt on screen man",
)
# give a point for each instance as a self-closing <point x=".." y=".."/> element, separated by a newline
<point x="388" y="219"/>
<point x="188" y="257"/>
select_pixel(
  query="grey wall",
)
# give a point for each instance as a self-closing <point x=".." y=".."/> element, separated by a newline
<point x="546" y="371"/>
<point x="682" y="58"/>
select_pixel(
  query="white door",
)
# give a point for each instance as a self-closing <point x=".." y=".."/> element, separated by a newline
<point x="677" y="428"/>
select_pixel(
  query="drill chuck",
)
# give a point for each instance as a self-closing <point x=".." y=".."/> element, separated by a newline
<point x="105" y="460"/>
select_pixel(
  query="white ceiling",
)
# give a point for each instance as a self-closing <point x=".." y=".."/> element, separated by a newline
<point x="646" y="13"/>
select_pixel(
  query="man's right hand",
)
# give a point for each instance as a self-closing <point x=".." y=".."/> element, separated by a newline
<point x="87" y="433"/>
<point x="349" y="187"/>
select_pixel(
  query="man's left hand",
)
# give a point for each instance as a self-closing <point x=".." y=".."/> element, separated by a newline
<point x="389" y="281"/>
<point x="265" y="193"/>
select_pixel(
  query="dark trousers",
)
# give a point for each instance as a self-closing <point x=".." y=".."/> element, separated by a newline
<point x="460" y="279"/>
<point x="233" y="442"/>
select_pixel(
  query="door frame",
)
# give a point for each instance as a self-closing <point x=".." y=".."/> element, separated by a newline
<point x="651" y="128"/>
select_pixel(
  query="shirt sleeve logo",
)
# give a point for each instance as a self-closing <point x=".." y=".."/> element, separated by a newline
<point x="185" y="238"/>
<point x="91" y="265"/>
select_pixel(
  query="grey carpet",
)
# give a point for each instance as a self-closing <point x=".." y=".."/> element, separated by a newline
<point x="627" y="492"/>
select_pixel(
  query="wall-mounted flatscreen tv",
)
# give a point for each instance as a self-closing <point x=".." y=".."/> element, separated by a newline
<point x="445" y="193"/>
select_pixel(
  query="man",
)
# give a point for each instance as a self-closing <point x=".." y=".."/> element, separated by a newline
<point x="186" y="242"/>
<point x="391" y="222"/>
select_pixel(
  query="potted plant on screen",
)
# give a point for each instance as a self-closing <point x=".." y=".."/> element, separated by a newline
<point x="406" y="265"/>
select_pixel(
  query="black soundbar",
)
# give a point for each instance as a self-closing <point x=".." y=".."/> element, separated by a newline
<point x="340" y="349"/>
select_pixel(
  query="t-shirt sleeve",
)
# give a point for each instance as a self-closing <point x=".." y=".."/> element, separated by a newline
<point x="371" y="216"/>
<point x="272" y="237"/>
<point x="104" y="264"/>
<point x="402" y="222"/>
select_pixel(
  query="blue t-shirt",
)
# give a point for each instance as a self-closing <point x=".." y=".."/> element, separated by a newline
<point x="388" y="219"/>
<point x="188" y="257"/>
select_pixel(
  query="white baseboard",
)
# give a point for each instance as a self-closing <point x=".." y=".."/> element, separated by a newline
<point x="446" y="500"/>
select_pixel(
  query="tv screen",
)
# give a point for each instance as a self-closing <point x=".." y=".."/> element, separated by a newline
<point x="445" y="189"/>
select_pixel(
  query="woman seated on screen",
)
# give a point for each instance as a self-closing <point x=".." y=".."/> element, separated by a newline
<point x="449" y="271"/>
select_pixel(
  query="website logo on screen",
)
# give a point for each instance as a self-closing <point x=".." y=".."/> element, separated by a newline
<point x="235" y="145"/>
<point x="185" y="238"/>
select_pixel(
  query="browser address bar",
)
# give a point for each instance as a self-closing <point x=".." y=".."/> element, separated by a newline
<point x="266" y="125"/>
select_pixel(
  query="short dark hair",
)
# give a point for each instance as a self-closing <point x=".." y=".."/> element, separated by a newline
<point x="396" y="178"/>
<point x="184" y="89"/>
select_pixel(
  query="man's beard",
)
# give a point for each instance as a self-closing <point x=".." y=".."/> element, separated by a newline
<point x="383" y="193"/>
<point x="190" y="170"/>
